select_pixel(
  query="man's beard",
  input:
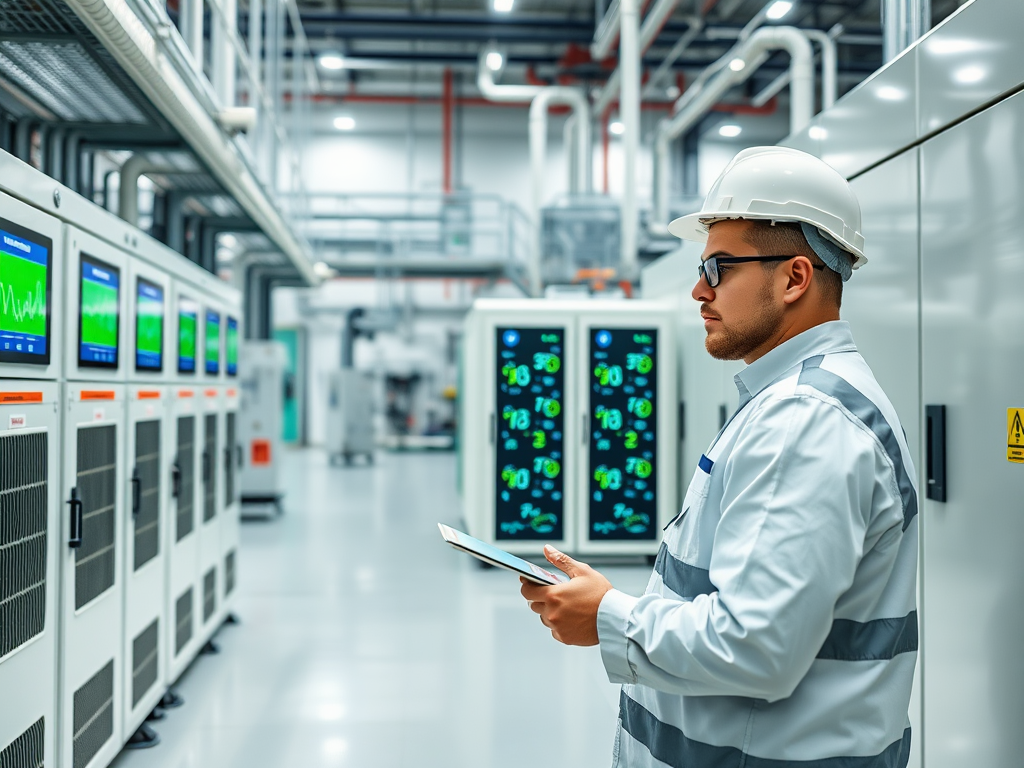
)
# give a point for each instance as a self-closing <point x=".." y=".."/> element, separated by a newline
<point x="732" y="343"/>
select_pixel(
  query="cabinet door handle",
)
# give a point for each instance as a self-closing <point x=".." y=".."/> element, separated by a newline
<point x="935" y="418"/>
<point x="136" y="492"/>
<point x="206" y="467"/>
<point x="75" y="539"/>
<point x="175" y="481"/>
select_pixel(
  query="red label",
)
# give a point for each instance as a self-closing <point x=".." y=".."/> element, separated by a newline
<point x="149" y="394"/>
<point x="21" y="397"/>
<point x="97" y="394"/>
<point x="260" y="451"/>
<point x="211" y="393"/>
<point x="185" y="393"/>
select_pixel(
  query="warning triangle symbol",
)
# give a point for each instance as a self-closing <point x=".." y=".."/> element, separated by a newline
<point x="1016" y="435"/>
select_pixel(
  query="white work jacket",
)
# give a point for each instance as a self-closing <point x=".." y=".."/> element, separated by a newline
<point x="779" y="628"/>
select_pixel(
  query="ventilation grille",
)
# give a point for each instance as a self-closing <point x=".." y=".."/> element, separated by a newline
<point x="229" y="573"/>
<point x="186" y="466"/>
<point x="94" y="715"/>
<point x="229" y="461"/>
<point x="209" y="594"/>
<point x="26" y="751"/>
<point x="182" y="621"/>
<point x="97" y="486"/>
<point x="210" y="469"/>
<point x="23" y="508"/>
<point x="144" y="661"/>
<point x="147" y="473"/>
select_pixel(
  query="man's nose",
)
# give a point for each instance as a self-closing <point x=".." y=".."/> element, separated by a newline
<point x="702" y="291"/>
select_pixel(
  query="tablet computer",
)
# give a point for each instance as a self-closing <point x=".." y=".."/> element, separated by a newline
<point x="501" y="558"/>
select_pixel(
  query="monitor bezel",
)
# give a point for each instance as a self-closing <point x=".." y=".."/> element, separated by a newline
<point x="140" y="281"/>
<point x="32" y="236"/>
<point x="83" y="258"/>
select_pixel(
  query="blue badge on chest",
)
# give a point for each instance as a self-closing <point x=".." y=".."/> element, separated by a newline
<point x="705" y="464"/>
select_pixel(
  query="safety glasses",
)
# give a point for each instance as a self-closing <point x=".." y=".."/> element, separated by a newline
<point x="709" y="267"/>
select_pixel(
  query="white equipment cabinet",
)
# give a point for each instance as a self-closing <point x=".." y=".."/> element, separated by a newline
<point x="520" y="437"/>
<point x="627" y="474"/>
<point x="261" y="381"/>
<point x="91" y="689"/>
<point x="149" y="462"/>
<point x="350" y="429"/>
<point x="230" y="513"/>
<point x="210" y="504"/>
<point x="180" y="633"/>
<point x="30" y="537"/>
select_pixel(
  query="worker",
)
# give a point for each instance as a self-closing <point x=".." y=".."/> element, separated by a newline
<point x="779" y="627"/>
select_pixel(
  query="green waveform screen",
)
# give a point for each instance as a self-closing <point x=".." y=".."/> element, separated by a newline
<point x="231" y="344"/>
<point x="212" y="342"/>
<point x="23" y="308"/>
<point x="187" y="317"/>
<point x="149" y="326"/>
<point x="100" y="284"/>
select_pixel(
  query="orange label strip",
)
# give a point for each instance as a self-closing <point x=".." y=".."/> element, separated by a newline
<point x="211" y="393"/>
<point x="232" y="392"/>
<point x="21" y="397"/>
<point x="185" y="393"/>
<point x="97" y="394"/>
<point x="149" y="394"/>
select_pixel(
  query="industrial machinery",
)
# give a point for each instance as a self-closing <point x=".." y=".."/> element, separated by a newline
<point x="350" y="409"/>
<point x="580" y="236"/>
<point x="211" y="482"/>
<point x="230" y="514"/>
<point x="261" y="376"/>
<point x="554" y="377"/>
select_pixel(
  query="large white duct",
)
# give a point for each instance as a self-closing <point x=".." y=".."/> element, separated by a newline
<point x="128" y="190"/>
<point x="829" y="70"/>
<point x="753" y="52"/>
<point x="629" y="114"/>
<point x="120" y="32"/>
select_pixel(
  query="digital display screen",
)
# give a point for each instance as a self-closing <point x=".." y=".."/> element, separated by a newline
<point x="25" y="285"/>
<point x="231" y="344"/>
<point x="149" y="326"/>
<point x="188" y="320"/>
<point x="212" y="339"/>
<point x="623" y="435"/>
<point x="529" y="407"/>
<point x="98" y="313"/>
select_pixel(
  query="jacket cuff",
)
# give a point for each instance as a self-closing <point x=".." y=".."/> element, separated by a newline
<point x="612" y="623"/>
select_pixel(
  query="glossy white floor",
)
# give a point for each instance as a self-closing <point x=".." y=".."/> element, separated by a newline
<point x="365" y="641"/>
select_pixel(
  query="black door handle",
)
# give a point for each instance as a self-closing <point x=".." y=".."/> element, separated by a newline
<point x="206" y="466"/>
<point x="935" y="417"/>
<point x="175" y="480"/>
<point x="682" y="422"/>
<point x="136" y="492"/>
<point x="75" y="539"/>
<point x="227" y="459"/>
<point x="241" y="456"/>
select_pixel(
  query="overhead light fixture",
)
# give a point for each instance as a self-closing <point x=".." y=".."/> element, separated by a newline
<point x="737" y="65"/>
<point x="730" y="131"/>
<point x="778" y="9"/>
<point x="817" y="133"/>
<point x="673" y="92"/>
<point x="344" y="123"/>
<point x="495" y="61"/>
<point x="969" y="75"/>
<point x="228" y="240"/>
<point x="503" y="6"/>
<point x="332" y="61"/>
<point x="617" y="127"/>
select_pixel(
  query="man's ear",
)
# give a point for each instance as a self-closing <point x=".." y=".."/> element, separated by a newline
<point x="800" y="272"/>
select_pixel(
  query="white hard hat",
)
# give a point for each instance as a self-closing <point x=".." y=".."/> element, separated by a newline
<point x="780" y="184"/>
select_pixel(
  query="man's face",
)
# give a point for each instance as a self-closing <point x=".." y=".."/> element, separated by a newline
<point x="741" y="314"/>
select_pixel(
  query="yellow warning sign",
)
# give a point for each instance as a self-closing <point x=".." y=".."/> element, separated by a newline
<point x="1015" y="435"/>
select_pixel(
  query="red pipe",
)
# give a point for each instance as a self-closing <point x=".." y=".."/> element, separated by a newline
<point x="446" y="130"/>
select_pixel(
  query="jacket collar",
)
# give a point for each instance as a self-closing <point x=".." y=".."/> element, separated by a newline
<point x="833" y="336"/>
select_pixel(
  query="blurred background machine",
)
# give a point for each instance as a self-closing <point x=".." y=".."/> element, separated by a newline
<point x="262" y="367"/>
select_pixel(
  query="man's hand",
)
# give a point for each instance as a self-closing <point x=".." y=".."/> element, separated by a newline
<point x="569" y="610"/>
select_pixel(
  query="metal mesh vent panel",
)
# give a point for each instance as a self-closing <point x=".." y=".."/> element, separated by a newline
<point x="64" y="78"/>
<point x="229" y="461"/>
<point x="94" y="715"/>
<point x="186" y="465"/>
<point x="147" y="468"/>
<point x="144" y="661"/>
<point x="23" y="512"/>
<point x="26" y="751"/>
<point x="182" y="621"/>
<point x="96" y="480"/>
<point x="209" y="594"/>
<point x="229" y="573"/>
<point x="210" y="468"/>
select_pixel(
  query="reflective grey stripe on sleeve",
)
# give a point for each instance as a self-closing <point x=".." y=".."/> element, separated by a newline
<point x="867" y="412"/>
<point x="670" y="745"/>
<point x="879" y="639"/>
<point x="687" y="581"/>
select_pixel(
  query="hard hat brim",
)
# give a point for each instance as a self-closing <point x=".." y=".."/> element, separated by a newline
<point x="690" y="227"/>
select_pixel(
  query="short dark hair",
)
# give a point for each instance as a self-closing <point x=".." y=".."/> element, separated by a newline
<point x="786" y="239"/>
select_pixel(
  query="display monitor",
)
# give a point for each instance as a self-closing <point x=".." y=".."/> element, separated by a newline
<point x="25" y="282"/>
<point x="211" y="354"/>
<point x="529" y="399"/>
<point x="99" y="313"/>
<point x="149" y="326"/>
<point x="188" y="319"/>
<point x="231" y="345"/>
<point x="624" y="434"/>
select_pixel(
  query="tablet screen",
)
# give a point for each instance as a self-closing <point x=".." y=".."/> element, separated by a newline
<point x="500" y="556"/>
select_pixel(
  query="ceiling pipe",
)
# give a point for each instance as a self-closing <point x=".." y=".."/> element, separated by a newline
<point x="607" y="32"/>
<point x="829" y="70"/>
<point x="134" y="168"/>
<point x="754" y="49"/>
<point x="538" y="158"/>
<point x="629" y="114"/>
<point x="696" y="27"/>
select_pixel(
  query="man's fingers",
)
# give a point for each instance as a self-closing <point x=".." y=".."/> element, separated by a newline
<point x="563" y="562"/>
<point x="537" y="607"/>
